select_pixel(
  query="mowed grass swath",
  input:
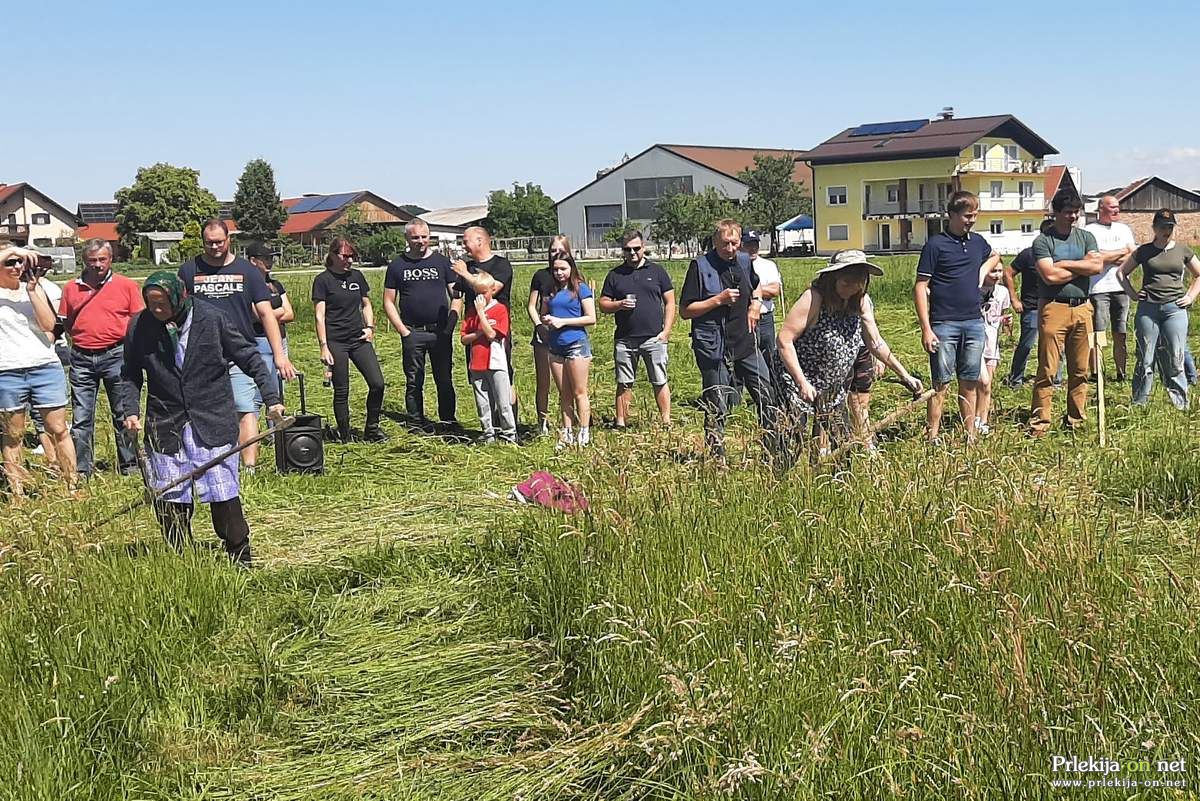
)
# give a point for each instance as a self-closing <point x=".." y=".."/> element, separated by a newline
<point x="933" y="622"/>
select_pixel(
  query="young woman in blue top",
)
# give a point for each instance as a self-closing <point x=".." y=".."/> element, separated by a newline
<point x="566" y="314"/>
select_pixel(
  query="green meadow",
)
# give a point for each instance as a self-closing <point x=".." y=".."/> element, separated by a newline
<point x="927" y="623"/>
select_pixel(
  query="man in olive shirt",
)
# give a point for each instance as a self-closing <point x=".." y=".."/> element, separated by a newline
<point x="1066" y="257"/>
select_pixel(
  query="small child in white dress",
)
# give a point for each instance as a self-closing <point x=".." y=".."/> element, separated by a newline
<point x="994" y="308"/>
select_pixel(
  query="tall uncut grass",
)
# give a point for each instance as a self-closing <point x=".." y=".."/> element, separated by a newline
<point x="934" y="623"/>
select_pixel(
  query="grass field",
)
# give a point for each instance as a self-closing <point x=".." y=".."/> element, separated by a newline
<point x="930" y="623"/>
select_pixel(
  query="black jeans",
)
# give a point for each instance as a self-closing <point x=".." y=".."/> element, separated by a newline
<point x="362" y="353"/>
<point x="716" y="377"/>
<point x="440" y="350"/>
<point x="228" y="520"/>
<point x="88" y="372"/>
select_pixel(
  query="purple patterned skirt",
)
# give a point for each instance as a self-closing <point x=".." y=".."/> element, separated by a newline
<point x="220" y="483"/>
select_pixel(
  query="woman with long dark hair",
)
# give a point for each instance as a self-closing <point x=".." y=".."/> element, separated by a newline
<point x="566" y="315"/>
<point x="541" y="287"/>
<point x="346" y="331"/>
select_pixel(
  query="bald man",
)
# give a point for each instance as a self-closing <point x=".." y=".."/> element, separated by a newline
<point x="478" y="243"/>
<point x="1110" y="304"/>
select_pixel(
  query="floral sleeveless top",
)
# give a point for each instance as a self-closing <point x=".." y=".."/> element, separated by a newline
<point x="826" y="352"/>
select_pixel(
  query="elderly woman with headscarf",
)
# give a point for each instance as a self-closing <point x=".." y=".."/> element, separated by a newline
<point x="183" y="351"/>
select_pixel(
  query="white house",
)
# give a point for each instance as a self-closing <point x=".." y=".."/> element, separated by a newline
<point x="29" y="217"/>
<point x="632" y="189"/>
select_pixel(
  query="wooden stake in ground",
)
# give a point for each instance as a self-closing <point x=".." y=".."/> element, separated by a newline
<point x="1099" y="340"/>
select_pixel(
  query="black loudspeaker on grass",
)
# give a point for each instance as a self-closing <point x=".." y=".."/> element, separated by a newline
<point x="300" y="448"/>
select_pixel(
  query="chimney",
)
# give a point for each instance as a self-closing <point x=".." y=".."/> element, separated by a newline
<point x="947" y="113"/>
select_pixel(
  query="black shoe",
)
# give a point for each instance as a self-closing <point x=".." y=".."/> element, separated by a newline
<point x="374" y="435"/>
<point x="1119" y="378"/>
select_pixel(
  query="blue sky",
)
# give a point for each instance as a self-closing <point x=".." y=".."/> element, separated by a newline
<point x="439" y="106"/>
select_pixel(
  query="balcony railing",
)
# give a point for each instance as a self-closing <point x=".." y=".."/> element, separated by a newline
<point x="14" y="231"/>
<point x="1010" y="203"/>
<point x="1002" y="165"/>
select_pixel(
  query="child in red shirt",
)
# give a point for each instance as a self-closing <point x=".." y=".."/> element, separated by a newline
<point x="484" y="331"/>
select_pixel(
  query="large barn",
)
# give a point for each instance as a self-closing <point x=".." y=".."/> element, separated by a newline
<point x="1141" y="198"/>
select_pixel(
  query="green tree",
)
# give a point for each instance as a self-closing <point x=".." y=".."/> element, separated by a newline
<point x="191" y="245"/>
<point x="707" y="208"/>
<point x="773" y="197"/>
<point x="382" y="246"/>
<point x="353" y="226"/>
<point x="162" y="198"/>
<point x="525" y="211"/>
<point x="674" y="224"/>
<point x="614" y="235"/>
<point x="256" y="205"/>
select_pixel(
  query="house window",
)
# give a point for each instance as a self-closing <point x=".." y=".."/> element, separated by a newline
<point x="920" y="191"/>
<point x="40" y="218"/>
<point x="839" y="233"/>
<point x="1027" y="228"/>
<point x="12" y="219"/>
<point x="893" y="194"/>
<point x="997" y="226"/>
<point x="642" y="194"/>
<point x="997" y="190"/>
<point x="979" y="152"/>
<point x="836" y="195"/>
<point x="1026" y="189"/>
<point x="43" y="242"/>
<point x="1012" y="153"/>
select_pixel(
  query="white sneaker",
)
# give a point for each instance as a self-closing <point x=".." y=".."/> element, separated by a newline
<point x="982" y="428"/>
<point x="39" y="450"/>
<point x="585" y="436"/>
<point x="545" y="427"/>
<point x="566" y="438"/>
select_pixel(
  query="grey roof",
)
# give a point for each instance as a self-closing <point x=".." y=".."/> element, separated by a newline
<point x="163" y="236"/>
<point x="458" y="216"/>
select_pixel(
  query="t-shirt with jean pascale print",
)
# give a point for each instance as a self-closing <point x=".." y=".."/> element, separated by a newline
<point x="233" y="288"/>
<point x="1163" y="271"/>
<point x="951" y="264"/>
<point x="1075" y="245"/>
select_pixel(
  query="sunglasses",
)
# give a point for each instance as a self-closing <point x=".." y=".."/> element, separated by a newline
<point x="11" y="262"/>
<point x="631" y="250"/>
<point x="347" y="256"/>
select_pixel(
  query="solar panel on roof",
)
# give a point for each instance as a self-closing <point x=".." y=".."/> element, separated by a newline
<point x="882" y="128"/>
<point x="306" y="204"/>
<point x="334" y="202"/>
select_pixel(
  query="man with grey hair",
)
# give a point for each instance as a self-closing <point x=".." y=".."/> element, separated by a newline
<point x="416" y="299"/>
<point x="95" y="311"/>
<point x="1110" y="304"/>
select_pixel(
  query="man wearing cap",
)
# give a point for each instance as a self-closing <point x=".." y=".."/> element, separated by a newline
<point x="721" y="297"/>
<point x="416" y="299"/>
<point x="1067" y="257"/>
<point x="1110" y="304"/>
<point x="95" y="310"/>
<point x="263" y="257"/>
<point x="640" y="294"/>
<point x="770" y="285"/>
<point x="955" y="265"/>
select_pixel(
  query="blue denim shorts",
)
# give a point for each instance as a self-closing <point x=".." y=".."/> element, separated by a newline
<point x="264" y="350"/>
<point x="42" y="387"/>
<point x="959" y="352"/>
<point x="576" y="350"/>
<point x="244" y="390"/>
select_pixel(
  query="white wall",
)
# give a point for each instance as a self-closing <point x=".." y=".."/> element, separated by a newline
<point x="610" y="190"/>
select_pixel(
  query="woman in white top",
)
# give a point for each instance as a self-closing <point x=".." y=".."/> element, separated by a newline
<point x="30" y="372"/>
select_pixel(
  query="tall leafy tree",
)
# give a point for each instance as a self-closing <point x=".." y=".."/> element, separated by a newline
<point x="674" y="223"/>
<point x="525" y="211"/>
<point x="162" y="198"/>
<point x="707" y="208"/>
<point x="256" y="205"/>
<point x="773" y="197"/>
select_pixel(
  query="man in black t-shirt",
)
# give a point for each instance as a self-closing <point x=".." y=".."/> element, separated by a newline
<point x="478" y="243"/>
<point x="237" y="288"/>
<point x="416" y="299"/>
<point x="639" y="292"/>
<point x="721" y="298"/>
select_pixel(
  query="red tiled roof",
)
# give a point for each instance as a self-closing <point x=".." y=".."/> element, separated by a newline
<point x="1054" y="176"/>
<point x="105" y="231"/>
<point x="1133" y="187"/>
<point x="733" y="160"/>
<point x="307" y="221"/>
<point x="7" y="191"/>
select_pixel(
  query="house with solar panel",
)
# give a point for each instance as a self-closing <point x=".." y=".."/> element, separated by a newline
<point x="310" y="217"/>
<point x="883" y="187"/>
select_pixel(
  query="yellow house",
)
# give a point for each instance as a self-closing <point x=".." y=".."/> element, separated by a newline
<point x="883" y="187"/>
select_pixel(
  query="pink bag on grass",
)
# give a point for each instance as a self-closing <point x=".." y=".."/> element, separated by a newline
<point x="547" y="490"/>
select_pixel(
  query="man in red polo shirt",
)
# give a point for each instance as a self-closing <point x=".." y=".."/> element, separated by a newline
<point x="96" y="309"/>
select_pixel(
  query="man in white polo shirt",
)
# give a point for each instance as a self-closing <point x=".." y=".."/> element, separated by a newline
<point x="1110" y="304"/>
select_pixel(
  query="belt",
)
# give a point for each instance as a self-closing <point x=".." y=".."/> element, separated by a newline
<point x="432" y="328"/>
<point x="95" y="351"/>
<point x="1069" y="301"/>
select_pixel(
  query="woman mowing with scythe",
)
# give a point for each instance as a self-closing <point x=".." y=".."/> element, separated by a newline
<point x="184" y="351"/>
